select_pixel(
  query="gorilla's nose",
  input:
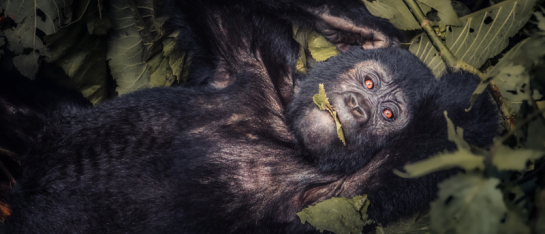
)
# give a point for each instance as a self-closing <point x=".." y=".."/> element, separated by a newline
<point x="358" y="107"/>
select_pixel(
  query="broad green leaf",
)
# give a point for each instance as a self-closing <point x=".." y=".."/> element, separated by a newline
<point x="169" y="65"/>
<point x="134" y="31"/>
<point x="483" y="35"/>
<point x="526" y="53"/>
<point x="460" y="9"/>
<point x="511" y="73"/>
<point x="320" y="99"/>
<point x="27" y="64"/>
<point x="462" y="159"/>
<point x="399" y="14"/>
<point x="478" y="91"/>
<point x="320" y="48"/>
<point x="81" y="54"/>
<point x="514" y="84"/>
<point x="468" y="204"/>
<point x="24" y="12"/>
<point x="514" y="224"/>
<point x="300" y="34"/>
<point x="382" y="8"/>
<point x="445" y="11"/>
<point x="395" y="11"/>
<point x="540" y="19"/>
<point x="506" y="158"/>
<point x="301" y="65"/>
<point x="339" y="215"/>
<point x="456" y="135"/>
<point x="536" y="136"/>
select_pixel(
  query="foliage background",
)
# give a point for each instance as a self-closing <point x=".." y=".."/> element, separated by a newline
<point x="110" y="48"/>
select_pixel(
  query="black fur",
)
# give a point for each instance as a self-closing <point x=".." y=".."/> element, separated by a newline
<point x="228" y="158"/>
<point x="28" y="106"/>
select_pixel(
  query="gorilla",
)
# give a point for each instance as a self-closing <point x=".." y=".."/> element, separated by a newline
<point x="243" y="148"/>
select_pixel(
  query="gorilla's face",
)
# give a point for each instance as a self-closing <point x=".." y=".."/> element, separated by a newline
<point x="371" y="104"/>
<point x="367" y="101"/>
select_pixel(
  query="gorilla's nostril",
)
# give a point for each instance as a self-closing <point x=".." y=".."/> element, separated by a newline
<point x="358" y="112"/>
<point x="351" y="101"/>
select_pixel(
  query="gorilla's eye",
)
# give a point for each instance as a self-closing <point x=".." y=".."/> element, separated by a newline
<point x="369" y="83"/>
<point x="388" y="113"/>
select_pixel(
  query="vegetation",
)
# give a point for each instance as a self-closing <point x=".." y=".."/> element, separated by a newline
<point x="501" y="188"/>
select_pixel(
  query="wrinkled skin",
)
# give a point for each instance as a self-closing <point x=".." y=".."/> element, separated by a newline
<point x="244" y="148"/>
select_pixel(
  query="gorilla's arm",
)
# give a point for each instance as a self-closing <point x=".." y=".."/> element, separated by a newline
<point x="228" y="36"/>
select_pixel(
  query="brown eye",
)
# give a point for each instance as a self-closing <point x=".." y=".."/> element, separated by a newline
<point x="388" y="113"/>
<point x="369" y="83"/>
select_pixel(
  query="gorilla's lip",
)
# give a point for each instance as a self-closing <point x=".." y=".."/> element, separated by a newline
<point x="339" y="107"/>
<point x="326" y="112"/>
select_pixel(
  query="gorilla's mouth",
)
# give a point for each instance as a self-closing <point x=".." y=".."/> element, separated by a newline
<point x="323" y="104"/>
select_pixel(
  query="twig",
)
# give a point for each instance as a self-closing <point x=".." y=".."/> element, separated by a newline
<point x="519" y="125"/>
<point x="8" y="153"/>
<point x="6" y="171"/>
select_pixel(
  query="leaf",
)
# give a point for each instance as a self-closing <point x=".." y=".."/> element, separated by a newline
<point x="82" y="55"/>
<point x="27" y="64"/>
<point x="514" y="84"/>
<point x="400" y="16"/>
<point x="133" y="32"/>
<point x="468" y="203"/>
<point x="514" y="224"/>
<point x="540" y="19"/>
<point x="456" y="135"/>
<point x="460" y="9"/>
<point x="320" y="48"/>
<point x="382" y="8"/>
<point x="395" y="11"/>
<point x="321" y="99"/>
<point x="445" y="11"/>
<point x="322" y="102"/>
<point x="169" y="65"/>
<point x="478" y="91"/>
<point x="483" y="35"/>
<point x="462" y="158"/>
<point x="338" y="214"/>
<point x="300" y="34"/>
<point x="526" y="53"/>
<point x="53" y="14"/>
<point x="536" y="138"/>
<point x="510" y="159"/>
